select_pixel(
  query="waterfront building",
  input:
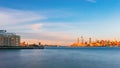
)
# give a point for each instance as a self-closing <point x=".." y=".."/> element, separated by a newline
<point x="9" y="39"/>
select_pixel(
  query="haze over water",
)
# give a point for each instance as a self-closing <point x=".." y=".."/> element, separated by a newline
<point x="61" y="58"/>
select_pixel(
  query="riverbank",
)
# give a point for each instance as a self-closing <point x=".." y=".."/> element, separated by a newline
<point x="21" y="47"/>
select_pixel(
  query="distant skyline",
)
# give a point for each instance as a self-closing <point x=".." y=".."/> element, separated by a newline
<point x="61" y="21"/>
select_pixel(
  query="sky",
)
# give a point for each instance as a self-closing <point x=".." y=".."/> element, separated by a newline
<point x="61" y="21"/>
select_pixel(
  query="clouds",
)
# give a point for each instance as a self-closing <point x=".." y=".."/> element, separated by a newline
<point x="30" y="26"/>
<point x="27" y="24"/>
<point x="61" y="21"/>
<point x="36" y="27"/>
<point x="14" y="16"/>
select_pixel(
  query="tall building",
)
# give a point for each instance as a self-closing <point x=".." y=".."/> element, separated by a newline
<point x="78" y="40"/>
<point x="9" y="39"/>
<point x="82" y="40"/>
<point x="90" y="40"/>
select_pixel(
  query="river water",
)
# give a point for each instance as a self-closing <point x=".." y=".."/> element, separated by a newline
<point x="61" y="58"/>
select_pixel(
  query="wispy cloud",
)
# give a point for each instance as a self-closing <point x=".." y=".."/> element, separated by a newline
<point x="36" y="27"/>
<point x="46" y="31"/>
<point x="13" y="16"/>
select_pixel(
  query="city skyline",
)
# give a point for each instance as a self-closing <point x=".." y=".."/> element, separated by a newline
<point x="61" y="22"/>
<point x="90" y="42"/>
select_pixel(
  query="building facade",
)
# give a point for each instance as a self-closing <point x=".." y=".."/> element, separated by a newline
<point x="9" y="39"/>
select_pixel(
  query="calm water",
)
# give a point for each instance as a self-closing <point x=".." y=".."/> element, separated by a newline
<point x="61" y="58"/>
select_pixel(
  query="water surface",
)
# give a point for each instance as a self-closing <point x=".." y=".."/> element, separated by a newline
<point x="61" y="58"/>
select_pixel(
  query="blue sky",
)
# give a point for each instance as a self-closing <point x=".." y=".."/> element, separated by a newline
<point x="61" y="21"/>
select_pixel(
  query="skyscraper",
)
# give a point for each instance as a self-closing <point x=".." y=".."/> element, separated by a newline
<point x="90" y="40"/>
<point x="82" y="40"/>
<point x="78" y="40"/>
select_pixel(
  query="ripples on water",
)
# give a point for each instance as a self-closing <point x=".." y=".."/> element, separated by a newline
<point x="61" y="58"/>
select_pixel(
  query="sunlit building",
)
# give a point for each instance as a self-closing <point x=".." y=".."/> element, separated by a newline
<point x="9" y="39"/>
<point x="82" y="40"/>
<point x="96" y="43"/>
<point x="90" y="40"/>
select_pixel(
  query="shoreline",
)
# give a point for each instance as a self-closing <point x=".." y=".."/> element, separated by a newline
<point x="47" y="47"/>
<point x="21" y="47"/>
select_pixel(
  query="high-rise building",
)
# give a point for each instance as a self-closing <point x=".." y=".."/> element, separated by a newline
<point x="82" y="40"/>
<point x="9" y="39"/>
<point x="90" y="40"/>
<point x="78" y="40"/>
